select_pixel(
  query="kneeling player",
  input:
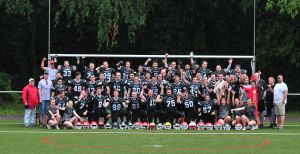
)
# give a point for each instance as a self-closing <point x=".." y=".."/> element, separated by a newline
<point x="70" y="115"/>
<point x="188" y="103"/>
<point x="151" y="106"/>
<point x="249" y="119"/>
<point x="81" y="105"/>
<point x="97" y="107"/>
<point x="53" y="115"/>
<point x="135" y="107"/>
<point x="169" y="106"/>
<point x="223" y="112"/>
<point x="207" y="110"/>
<point x="118" y="108"/>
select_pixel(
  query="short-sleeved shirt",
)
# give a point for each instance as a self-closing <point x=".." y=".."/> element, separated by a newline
<point x="52" y="109"/>
<point x="45" y="87"/>
<point x="279" y="89"/>
<point x="68" y="113"/>
<point x="52" y="73"/>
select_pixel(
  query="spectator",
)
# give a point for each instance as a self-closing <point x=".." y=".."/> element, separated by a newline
<point x="51" y="70"/>
<point x="44" y="86"/>
<point x="261" y="86"/>
<point x="270" y="102"/>
<point x="280" y="100"/>
<point x="30" y="98"/>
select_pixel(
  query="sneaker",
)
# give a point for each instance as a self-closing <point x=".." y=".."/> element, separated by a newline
<point x="252" y="127"/>
<point x="244" y="128"/>
<point x="57" y="127"/>
<point x="48" y="126"/>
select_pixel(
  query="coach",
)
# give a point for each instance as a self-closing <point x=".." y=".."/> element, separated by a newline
<point x="280" y="100"/>
<point x="30" y="98"/>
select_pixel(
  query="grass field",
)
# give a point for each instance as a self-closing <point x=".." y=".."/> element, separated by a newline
<point x="17" y="139"/>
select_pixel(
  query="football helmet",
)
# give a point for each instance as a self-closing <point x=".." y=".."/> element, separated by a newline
<point x="159" y="126"/>
<point x="192" y="126"/>
<point x="167" y="126"/>
<point x="226" y="127"/>
<point x="218" y="126"/>
<point x="209" y="126"/>
<point x="93" y="125"/>
<point x="130" y="125"/>
<point x="152" y="126"/>
<point x="86" y="125"/>
<point x="101" y="124"/>
<point x="176" y="126"/>
<point x="145" y="125"/>
<point x="184" y="126"/>
<point x="238" y="126"/>
<point x="107" y="125"/>
<point x="137" y="125"/>
<point x="78" y="125"/>
<point x="200" y="125"/>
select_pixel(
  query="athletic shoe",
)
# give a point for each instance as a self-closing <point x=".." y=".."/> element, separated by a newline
<point x="244" y="128"/>
<point x="252" y="127"/>
<point x="48" y="126"/>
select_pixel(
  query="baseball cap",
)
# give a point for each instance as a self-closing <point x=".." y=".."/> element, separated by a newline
<point x="46" y="72"/>
<point x="52" y="62"/>
<point x="31" y="79"/>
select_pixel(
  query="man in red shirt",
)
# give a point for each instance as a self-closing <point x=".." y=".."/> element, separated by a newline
<point x="30" y="98"/>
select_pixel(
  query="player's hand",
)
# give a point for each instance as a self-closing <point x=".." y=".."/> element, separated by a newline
<point x="44" y="59"/>
<point x="166" y="55"/>
<point x="230" y="61"/>
<point x="85" y="113"/>
<point x="149" y="59"/>
<point x="231" y="110"/>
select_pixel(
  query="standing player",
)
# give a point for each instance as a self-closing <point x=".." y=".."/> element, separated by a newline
<point x="75" y="86"/>
<point x="58" y="87"/>
<point x="91" y="85"/>
<point x="154" y="85"/>
<point x="177" y="86"/>
<point x="125" y="70"/>
<point x="135" y="87"/>
<point x="116" y="84"/>
<point x="154" y="70"/>
<point x="67" y="71"/>
<point x="107" y="71"/>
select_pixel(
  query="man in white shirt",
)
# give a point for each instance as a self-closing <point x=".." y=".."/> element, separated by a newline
<point x="52" y="70"/>
<point x="280" y="100"/>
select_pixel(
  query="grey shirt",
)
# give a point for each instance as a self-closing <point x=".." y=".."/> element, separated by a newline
<point x="45" y="89"/>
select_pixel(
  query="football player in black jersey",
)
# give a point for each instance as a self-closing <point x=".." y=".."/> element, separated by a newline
<point x="67" y="71"/>
<point x="135" y="107"/>
<point x="177" y="86"/>
<point x="61" y="101"/>
<point x="57" y="76"/>
<point x="189" y="106"/>
<point x="58" y="87"/>
<point x="207" y="110"/>
<point x="97" y="107"/>
<point x="154" y="86"/>
<point x="118" y="108"/>
<point x="102" y="82"/>
<point x="82" y="104"/>
<point x="75" y="86"/>
<point x="135" y="87"/>
<point x="169" y="104"/>
<point x="107" y="71"/>
<point x="117" y="84"/>
<point x="154" y="70"/>
<point x="150" y="105"/>
<point x="125" y="70"/>
<point x="91" y="85"/>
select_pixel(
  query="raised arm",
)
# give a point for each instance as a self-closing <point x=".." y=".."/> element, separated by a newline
<point x="43" y="64"/>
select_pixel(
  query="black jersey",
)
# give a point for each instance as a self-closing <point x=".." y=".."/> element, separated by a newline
<point x="125" y="72"/>
<point x="195" y="88"/>
<point x="116" y="104"/>
<point x="204" y="71"/>
<point x="169" y="103"/>
<point x="154" y="71"/>
<point x="116" y="85"/>
<point x="188" y="103"/>
<point x="97" y="104"/>
<point x="174" y="72"/>
<point x="207" y="107"/>
<point x="135" y="104"/>
<point x="88" y="72"/>
<point x="82" y="105"/>
<point x="223" y="111"/>
<point x="67" y="72"/>
<point x="91" y="87"/>
<point x="177" y="87"/>
<point x="77" y="86"/>
<point x="150" y="103"/>
<point x="188" y="74"/>
<point x="61" y="102"/>
<point x="108" y="73"/>
<point x="155" y="87"/>
<point x="136" y="87"/>
<point x="58" y="88"/>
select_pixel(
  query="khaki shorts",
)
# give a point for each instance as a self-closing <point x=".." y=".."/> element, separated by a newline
<point x="280" y="109"/>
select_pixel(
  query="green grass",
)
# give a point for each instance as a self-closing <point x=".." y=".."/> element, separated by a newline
<point x="17" y="139"/>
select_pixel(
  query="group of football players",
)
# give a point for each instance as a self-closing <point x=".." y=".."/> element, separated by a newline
<point x="172" y="96"/>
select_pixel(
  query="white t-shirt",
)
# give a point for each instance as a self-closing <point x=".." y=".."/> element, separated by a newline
<point x="52" y="73"/>
<point x="279" y="90"/>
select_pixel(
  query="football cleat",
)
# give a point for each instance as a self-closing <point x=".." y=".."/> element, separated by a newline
<point x="86" y="125"/>
<point x="209" y="126"/>
<point x="152" y="126"/>
<point x="167" y="126"/>
<point x="192" y="126"/>
<point x="107" y="125"/>
<point x="93" y="125"/>
<point x="238" y="126"/>
<point x="184" y="126"/>
<point x="137" y="125"/>
<point x="78" y="125"/>
<point x="176" y="126"/>
<point x="226" y="127"/>
<point x="123" y="125"/>
<point x="218" y="126"/>
<point x="101" y="124"/>
<point x="115" y="125"/>
<point x="159" y="126"/>
<point x="200" y="125"/>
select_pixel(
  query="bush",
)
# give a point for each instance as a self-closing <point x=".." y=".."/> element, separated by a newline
<point x="5" y="85"/>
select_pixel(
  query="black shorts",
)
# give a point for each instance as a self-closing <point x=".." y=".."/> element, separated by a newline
<point x="261" y="106"/>
<point x="207" y="118"/>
